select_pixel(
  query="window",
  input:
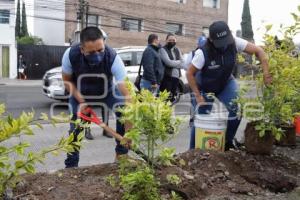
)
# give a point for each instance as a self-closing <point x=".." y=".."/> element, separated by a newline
<point x="211" y="3"/>
<point x="176" y="29"/>
<point x="131" y="24"/>
<point x="139" y="56"/>
<point x="93" y="20"/>
<point x="205" y="30"/>
<point x="4" y="16"/>
<point x="127" y="58"/>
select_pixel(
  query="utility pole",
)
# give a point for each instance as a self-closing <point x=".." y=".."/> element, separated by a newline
<point x="87" y="7"/>
<point x="82" y="18"/>
<point x="82" y="14"/>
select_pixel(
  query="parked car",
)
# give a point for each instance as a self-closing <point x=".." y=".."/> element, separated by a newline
<point x="53" y="86"/>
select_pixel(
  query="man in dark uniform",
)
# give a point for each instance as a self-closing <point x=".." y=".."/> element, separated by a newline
<point x="88" y="71"/>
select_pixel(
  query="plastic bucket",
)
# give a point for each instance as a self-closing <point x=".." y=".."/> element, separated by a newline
<point x="210" y="131"/>
<point x="297" y="125"/>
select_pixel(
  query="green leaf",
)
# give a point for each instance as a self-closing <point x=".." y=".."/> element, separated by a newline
<point x="19" y="163"/>
<point x="268" y="27"/>
<point x="30" y="169"/>
<point x="294" y="16"/>
<point x="278" y="136"/>
<point x="44" y="117"/>
<point x="19" y="150"/>
<point x="262" y="133"/>
<point x="39" y="126"/>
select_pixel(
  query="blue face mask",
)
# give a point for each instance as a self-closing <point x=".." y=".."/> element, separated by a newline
<point x="95" y="58"/>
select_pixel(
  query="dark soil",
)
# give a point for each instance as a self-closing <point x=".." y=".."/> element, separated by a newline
<point x="289" y="138"/>
<point x="256" y="144"/>
<point x="204" y="175"/>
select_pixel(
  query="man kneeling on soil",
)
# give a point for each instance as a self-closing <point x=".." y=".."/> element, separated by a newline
<point x="88" y="72"/>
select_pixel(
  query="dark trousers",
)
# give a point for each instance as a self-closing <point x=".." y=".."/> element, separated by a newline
<point x="170" y="84"/>
<point x="227" y="97"/>
<point x="112" y="102"/>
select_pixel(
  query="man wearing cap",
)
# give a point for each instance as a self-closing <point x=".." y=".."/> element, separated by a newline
<point x="216" y="61"/>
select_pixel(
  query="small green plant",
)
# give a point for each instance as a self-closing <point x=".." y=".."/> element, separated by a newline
<point x="173" y="179"/>
<point x="140" y="184"/>
<point x="111" y="179"/>
<point x="152" y="120"/>
<point x="175" y="196"/>
<point x="14" y="159"/>
<point x="166" y="156"/>
<point x="276" y="105"/>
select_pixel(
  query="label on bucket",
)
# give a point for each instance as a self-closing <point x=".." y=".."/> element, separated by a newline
<point x="210" y="140"/>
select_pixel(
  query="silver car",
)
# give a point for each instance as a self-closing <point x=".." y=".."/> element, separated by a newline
<point x="53" y="86"/>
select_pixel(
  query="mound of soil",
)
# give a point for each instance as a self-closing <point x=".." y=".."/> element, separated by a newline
<point x="204" y="175"/>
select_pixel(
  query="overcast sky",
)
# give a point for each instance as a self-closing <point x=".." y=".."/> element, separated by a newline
<point x="263" y="12"/>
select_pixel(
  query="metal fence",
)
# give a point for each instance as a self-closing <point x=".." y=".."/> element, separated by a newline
<point x="40" y="58"/>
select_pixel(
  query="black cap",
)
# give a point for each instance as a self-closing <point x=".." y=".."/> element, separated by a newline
<point x="220" y="34"/>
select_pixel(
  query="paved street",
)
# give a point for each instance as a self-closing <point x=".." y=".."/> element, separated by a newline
<point x="101" y="150"/>
<point x="18" y="98"/>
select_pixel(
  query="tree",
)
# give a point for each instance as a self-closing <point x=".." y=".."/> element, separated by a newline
<point x="247" y="32"/>
<point x="18" y="20"/>
<point x="24" y="30"/>
<point x="33" y="40"/>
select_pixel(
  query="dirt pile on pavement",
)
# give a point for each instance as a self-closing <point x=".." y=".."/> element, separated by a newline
<point x="204" y="175"/>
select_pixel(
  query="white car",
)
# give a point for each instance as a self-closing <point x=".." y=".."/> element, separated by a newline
<point x="53" y="86"/>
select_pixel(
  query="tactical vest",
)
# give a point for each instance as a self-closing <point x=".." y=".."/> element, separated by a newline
<point x="217" y="70"/>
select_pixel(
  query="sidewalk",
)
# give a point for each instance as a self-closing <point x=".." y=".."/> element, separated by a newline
<point x="17" y="82"/>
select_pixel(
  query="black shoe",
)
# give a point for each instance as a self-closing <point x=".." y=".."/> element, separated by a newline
<point x="88" y="135"/>
<point x="237" y="144"/>
<point x="105" y="134"/>
<point x="228" y="146"/>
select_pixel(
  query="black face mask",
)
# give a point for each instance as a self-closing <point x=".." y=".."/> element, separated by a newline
<point x="170" y="45"/>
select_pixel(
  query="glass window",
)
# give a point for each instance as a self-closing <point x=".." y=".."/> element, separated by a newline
<point x="131" y="24"/>
<point x="127" y="58"/>
<point x="4" y="16"/>
<point x="176" y="29"/>
<point x="93" y="20"/>
<point x="211" y="3"/>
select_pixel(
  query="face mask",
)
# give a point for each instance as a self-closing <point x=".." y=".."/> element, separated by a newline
<point x="170" y="45"/>
<point x="94" y="59"/>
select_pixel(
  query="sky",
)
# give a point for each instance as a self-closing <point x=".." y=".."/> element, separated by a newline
<point x="263" y="12"/>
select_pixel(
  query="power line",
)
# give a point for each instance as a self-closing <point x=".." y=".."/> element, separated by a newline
<point x="75" y="21"/>
<point x="126" y="15"/>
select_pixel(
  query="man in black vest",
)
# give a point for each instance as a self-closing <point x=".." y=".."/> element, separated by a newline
<point x="88" y="71"/>
<point x="216" y="61"/>
<point x="173" y="62"/>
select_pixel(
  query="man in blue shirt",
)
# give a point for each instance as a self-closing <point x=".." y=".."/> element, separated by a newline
<point x="88" y="70"/>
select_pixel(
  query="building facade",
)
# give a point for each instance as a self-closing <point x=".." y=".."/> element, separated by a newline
<point x="8" y="51"/>
<point x="129" y="22"/>
<point x="46" y="19"/>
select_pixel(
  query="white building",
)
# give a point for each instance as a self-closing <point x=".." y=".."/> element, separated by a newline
<point x="45" y="19"/>
<point x="8" y="51"/>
